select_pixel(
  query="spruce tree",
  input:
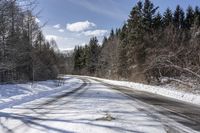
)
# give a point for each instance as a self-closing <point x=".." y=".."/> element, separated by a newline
<point x="167" y="17"/>
<point x="77" y="61"/>
<point x="122" y="69"/>
<point x="157" y="21"/>
<point x="93" y="54"/>
<point x="190" y="16"/>
<point x="197" y="16"/>
<point x="134" y="33"/>
<point x="148" y="14"/>
<point x="178" y="18"/>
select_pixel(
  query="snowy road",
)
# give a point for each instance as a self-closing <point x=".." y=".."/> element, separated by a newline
<point x="88" y="106"/>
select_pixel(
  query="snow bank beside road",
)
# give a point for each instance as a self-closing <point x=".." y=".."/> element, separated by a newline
<point x="16" y="94"/>
<point x="175" y="94"/>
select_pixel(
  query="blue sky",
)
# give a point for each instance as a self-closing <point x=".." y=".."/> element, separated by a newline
<point x="74" y="22"/>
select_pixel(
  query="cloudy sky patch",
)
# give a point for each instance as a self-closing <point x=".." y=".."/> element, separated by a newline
<point x="80" y="26"/>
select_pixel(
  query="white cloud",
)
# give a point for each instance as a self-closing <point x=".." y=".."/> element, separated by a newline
<point x="50" y="37"/>
<point x="80" y="26"/>
<point x="97" y="33"/>
<point x="68" y="40"/>
<point x="83" y="44"/>
<point x="66" y="50"/>
<point x="37" y="20"/>
<point x="57" y="26"/>
<point x="61" y="30"/>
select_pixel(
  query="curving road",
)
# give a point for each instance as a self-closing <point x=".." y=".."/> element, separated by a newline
<point x="183" y="113"/>
<point x="94" y="106"/>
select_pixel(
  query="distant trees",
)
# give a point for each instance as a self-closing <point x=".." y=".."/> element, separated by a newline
<point x="122" y="65"/>
<point x="179" y="17"/>
<point x="150" y="46"/>
<point x="167" y="18"/>
<point x="86" y="58"/>
<point x="24" y="53"/>
<point x="107" y="63"/>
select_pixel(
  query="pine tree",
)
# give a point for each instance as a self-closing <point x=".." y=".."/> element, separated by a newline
<point x="118" y="31"/>
<point x="122" y="69"/>
<point x="92" y="60"/>
<point x="178" y="18"/>
<point x="112" y="34"/>
<point x="197" y="16"/>
<point x="105" y="40"/>
<point x="77" y="59"/>
<point x="167" y="17"/>
<point x="134" y="32"/>
<point x="157" y="21"/>
<point x="190" y="16"/>
<point x="148" y="14"/>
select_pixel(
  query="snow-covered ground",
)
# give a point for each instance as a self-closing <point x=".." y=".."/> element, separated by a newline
<point x="95" y="108"/>
<point x="98" y="110"/>
<point x="167" y="92"/>
<point x="15" y="94"/>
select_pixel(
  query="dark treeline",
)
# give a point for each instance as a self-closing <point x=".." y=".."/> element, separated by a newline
<point x="24" y="52"/>
<point x="149" y="47"/>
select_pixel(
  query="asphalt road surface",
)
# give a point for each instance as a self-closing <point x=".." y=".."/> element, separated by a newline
<point x="183" y="113"/>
